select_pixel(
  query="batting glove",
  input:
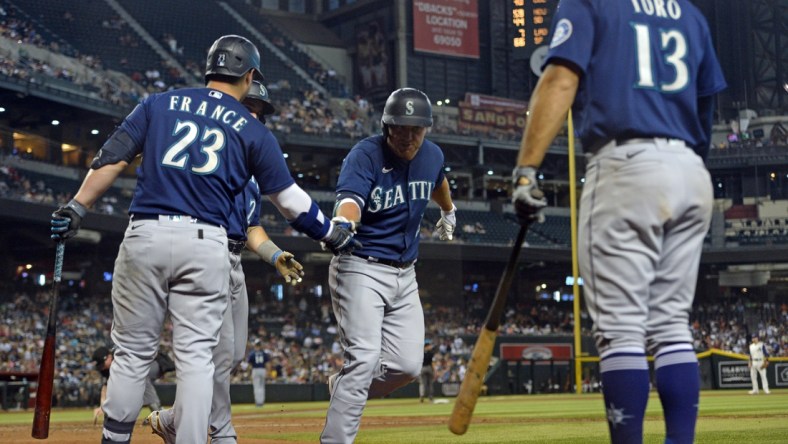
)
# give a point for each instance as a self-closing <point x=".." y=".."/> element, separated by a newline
<point x="66" y="220"/>
<point x="289" y="268"/>
<point x="340" y="240"/>
<point x="445" y="227"/>
<point x="527" y="198"/>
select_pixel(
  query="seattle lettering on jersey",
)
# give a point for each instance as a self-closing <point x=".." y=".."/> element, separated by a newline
<point x="385" y="199"/>
<point x="217" y="112"/>
<point x="660" y="8"/>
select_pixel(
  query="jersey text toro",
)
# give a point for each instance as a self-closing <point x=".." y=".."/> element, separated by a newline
<point x="384" y="199"/>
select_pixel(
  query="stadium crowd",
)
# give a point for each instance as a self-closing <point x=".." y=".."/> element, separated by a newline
<point x="300" y="335"/>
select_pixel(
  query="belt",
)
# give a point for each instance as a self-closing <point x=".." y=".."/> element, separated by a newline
<point x="172" y="217"/>
<point x="389" y="262"/>
<point x="619" y="141"/>
<point x="235" y="246"/>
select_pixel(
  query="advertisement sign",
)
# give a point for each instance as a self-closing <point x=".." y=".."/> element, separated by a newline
<point x="733" y="374"/>
<point x="526" y="351"/>
<point x="446" y="27"/>
<point x="372" y="58"/>
<point x="781" y="374"/>
<point x="489" y="114"/>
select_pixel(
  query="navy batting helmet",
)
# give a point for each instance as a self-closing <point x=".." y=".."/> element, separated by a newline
<point x="233" y="56"/>
<point x="100" y="355"/>
<point x="259" y="93"/>
<point x="407" y="107"/>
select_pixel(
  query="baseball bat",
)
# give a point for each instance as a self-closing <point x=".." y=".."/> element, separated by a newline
<point x="482" y="351"/>
<point x="46" y="373"/>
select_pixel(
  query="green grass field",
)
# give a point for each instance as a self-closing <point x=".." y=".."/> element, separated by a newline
<point x="725" y="417"/>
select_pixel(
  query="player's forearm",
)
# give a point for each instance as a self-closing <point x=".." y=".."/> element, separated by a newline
<point x="301" y="212"/>
<point x="97" y="182"/>
<point x="442" y="196"/>
<point x="258" y="241"/>
<point x="547" y="111"/>
<point x="349" y="210"/>
<point x="256" y="236"/>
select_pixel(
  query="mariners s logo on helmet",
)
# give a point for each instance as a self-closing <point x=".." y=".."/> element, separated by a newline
<point x="409" y="108"/>
<point x="220" y="61"/>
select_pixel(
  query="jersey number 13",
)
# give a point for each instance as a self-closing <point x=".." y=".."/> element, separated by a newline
<point x="673" y="49"/>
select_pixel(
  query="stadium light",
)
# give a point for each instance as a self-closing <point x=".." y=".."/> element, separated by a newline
<point x="94" y="132"/>
<point x="2" y="110"/>
<point x="55" y="122"/>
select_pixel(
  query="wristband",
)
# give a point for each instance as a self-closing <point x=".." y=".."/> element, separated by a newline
<point x="78" y="208"/>
<point x="268" y="251"/>
<point x="276" y="256"/>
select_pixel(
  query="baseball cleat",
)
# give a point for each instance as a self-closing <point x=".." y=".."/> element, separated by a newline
<point x="158" y="428"/>
<point x="752" y="392"/>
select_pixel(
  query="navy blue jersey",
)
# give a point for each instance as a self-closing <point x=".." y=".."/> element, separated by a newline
<point x="199" y="147"/>
<point x="258" y="358"/>
<point x="395" y="193"/>
<point x="246" y="212"/>
<point x="662" y="50"/>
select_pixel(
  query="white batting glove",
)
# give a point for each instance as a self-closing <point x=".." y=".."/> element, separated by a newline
<point x="445" y="227"/>
<point x="341" y="220"/>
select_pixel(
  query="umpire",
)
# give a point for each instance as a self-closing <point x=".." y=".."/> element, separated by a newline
<point x="102" y="359"/>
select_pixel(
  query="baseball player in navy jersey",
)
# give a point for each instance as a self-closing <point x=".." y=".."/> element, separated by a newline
<point x="259" y="360"/>
<point x="199" y="148"/>
<point x="759" y="360"/>
<point x="642" y="76"/>
<point x="385" y="183"/>
<point x="244" y="232"/>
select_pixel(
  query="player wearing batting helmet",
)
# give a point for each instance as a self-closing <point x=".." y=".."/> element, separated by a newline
<point x="102" y="362"/>
<point x="385" y="183"/>
<point x="643" y="79"/>
<point x="199" y="148"/>
<point x="244" y="231"/>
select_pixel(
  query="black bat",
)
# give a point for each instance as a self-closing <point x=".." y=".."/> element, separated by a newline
<point x="46" y="373"/>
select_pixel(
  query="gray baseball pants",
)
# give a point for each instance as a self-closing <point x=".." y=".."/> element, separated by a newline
<point x="645" y="210"/>
<point x="175" y="266"/>
<point x="381" y="328"/>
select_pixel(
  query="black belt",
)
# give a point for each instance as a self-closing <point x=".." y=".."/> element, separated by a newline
<point x="618" y="141"/>
<point x="173" y="217"/>
<point x="389" y="262"/>
<point x="235" y="246"/>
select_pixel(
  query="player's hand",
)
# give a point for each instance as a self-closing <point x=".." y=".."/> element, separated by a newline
<point x="289" y="268"/>
<point x="527" y="198"/>
<point x="445" y="227"/>
<point x="352" y="225"/>
<point x="341" y="241"/>
<point x="765" y="364"/>
<point x="97" y="412"/>
<point x="66" y="220"/>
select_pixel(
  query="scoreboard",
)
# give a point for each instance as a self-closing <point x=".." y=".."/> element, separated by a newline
<point x="529" y="25"/>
